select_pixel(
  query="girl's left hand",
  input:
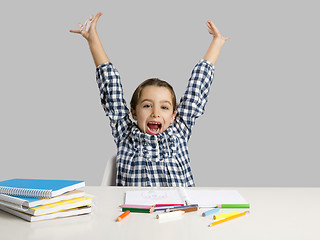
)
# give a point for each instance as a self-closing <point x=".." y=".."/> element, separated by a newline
<point x="88" y="29"/>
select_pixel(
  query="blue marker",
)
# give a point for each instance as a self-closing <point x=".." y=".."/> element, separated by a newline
<point x="212" y="211"/>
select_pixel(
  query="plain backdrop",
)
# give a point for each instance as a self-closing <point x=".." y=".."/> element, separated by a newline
<point x="261" y="125"/>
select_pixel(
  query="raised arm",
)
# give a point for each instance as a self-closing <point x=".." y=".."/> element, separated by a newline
<point x="89" y="32"/>
<point x="218" y="41"/>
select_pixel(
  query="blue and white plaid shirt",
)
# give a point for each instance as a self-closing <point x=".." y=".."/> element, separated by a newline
<point x="154" y="160"/>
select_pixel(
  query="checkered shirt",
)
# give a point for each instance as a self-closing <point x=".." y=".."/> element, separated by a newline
<point x="154" y="160"/>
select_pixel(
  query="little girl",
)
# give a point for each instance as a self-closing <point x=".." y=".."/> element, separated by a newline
<point x="153" y="151"/>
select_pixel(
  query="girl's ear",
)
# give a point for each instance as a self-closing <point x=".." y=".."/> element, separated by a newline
<point x="173" y="116"/>
<point x="134" y="114"/>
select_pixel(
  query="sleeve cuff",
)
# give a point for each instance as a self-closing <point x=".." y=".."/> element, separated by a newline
<point x="206" y="62"/>
<point x="104" y="65"/>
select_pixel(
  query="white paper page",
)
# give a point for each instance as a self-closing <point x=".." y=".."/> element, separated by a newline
<point x="211" y="198"/>
<point x="151" y="197"/>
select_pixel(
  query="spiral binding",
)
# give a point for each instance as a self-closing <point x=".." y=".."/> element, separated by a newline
<point x="25" y="192"/>
<point x="13" y="202"/>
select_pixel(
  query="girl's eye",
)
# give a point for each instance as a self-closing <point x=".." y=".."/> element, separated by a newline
<point x="147" y="106"/>
<point x="165" y="108"/>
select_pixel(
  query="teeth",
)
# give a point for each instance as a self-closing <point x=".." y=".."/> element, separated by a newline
<point x="155" y="123"/>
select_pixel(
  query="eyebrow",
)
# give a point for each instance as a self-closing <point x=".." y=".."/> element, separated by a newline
<point x="149" y="100"/>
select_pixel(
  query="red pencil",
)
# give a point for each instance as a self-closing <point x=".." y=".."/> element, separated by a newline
<point x="168" y="205"/>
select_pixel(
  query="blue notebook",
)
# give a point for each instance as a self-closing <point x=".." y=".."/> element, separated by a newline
<point x="39" y="188"/>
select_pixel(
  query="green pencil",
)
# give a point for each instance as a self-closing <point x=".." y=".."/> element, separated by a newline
<point x="234" y="206"/>
<point x="140" y="210"/>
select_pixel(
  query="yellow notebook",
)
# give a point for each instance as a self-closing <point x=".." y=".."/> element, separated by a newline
<point x="59" y="206"/>
<point x="23" y="203"/>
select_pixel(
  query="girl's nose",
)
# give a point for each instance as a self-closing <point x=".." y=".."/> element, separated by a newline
<point x="155" y="113"/>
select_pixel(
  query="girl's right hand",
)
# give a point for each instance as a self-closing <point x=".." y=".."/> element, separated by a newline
<point x="88" y="29"/>
<point x="214" y="31"/>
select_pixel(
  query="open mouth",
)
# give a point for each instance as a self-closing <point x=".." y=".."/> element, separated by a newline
<point x="154" y="128"/>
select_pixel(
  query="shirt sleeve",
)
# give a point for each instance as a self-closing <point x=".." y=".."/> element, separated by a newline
<point x="112" y="100"/>
<point x="194" y="100"/>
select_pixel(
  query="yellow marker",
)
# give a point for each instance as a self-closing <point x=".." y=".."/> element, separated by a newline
<point x="224" y="215"/>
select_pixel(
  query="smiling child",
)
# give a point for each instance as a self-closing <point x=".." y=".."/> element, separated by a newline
<point x="153" y="150"/>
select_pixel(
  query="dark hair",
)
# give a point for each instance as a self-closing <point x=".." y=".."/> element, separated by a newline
<point x="152" y="82"/>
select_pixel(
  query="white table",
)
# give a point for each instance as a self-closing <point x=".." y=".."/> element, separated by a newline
<point x="276" y="213"/>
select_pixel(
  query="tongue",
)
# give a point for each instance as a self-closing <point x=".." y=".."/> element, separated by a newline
<point x="153" y="126"/>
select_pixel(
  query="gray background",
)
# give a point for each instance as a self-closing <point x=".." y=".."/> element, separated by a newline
<point x="261" y="126"/>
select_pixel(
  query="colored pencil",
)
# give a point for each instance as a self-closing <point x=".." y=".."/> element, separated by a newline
<point x="168" y="205"/>
<point x="185" y="206"/>
<point x="228" y="218"/>
<point x="123" y="215"/>
<point x="170" y="216"/>
<point x="156" y="209"/>
<point x="212" y="211"/>
<point x="224" y="215"/>
<point x="185" y="209"/>
<point x="234" y="206"/>
<point x="135" y="206"/>
<point x="139" y="210"/>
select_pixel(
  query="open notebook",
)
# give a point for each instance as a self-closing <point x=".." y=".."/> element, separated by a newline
<point x="204" y="198"/>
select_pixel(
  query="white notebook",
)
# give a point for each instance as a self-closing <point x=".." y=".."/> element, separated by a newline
<point x="204" y="198"/>
<point x="30" y="218"/>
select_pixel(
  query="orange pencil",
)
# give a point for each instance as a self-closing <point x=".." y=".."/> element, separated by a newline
<point x="123" y="215"/>
<point x="228" y="218"/>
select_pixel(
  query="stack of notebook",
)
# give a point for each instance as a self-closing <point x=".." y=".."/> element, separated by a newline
<point x="39" y="199"/>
